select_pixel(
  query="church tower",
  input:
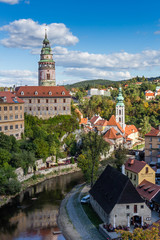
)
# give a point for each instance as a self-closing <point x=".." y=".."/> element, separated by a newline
<point x="46" y="70"/>
<point x="120" y="109"/>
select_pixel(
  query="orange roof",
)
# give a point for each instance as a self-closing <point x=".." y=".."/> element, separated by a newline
<point x="135" y="165"/>
<point x="42" y="91"/>
<point x="153" y="133"/>
<point x="149" y="94"/>
<point x="147" y="189"/>
<point x="101" y="122"/>
<point x="112" y="122"/>
<point x="93" y="119"/>
<point x="129" y="129"/>
<point x="9" y="97"/>
<point x="83" y="121"/>
<point x="77" y="111"/>
<point x="112" y="134"/>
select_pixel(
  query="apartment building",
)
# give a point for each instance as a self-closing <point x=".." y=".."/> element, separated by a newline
<point x="11" y="114"/>
<point x="152" y="146"/>
<point x="45" y="101"/>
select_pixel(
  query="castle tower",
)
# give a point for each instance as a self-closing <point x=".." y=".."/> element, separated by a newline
<point x="46" y="70"/>
<point x="120" y="109"/>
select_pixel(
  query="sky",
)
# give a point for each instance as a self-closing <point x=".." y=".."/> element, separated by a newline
<point x="114" y="40"/>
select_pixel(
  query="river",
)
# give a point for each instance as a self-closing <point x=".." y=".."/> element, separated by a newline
<point x="33" y="214"/>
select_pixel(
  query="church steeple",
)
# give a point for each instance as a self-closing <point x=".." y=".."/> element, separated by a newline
<point x="120" y="109"/>
<point x="46" y="69"/>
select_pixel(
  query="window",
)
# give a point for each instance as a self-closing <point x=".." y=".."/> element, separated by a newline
<point x="46" y="108"/>
<point x="150" y="152"/>
<point x="16" y="116"/>
<point x="17" y="135"/>
<point x="63" y="93"/>
<point x="20" y="107"/>
<point x="11" y="127"/>
<point x="55" y="100"/>
<point x="30" y="100"/>
<point x="21" y="125"/>
<point x="146" y="169"/>
<point x="135" y="208"/>
<point x="48" y="76"/>
<point x="131" y="176"/>
<point x="150" y="145"/>
<point x="127" y="206"/>
<point x="159" y="146"/>
<point x="16" y="126"/>
<point x="5" y="117"/>
<point x="119" y="119"/>
<point x="38" y="108"/>
<point x="16" y="107"/>
<point x="10" y="108"/>
<point x="39" y="101"/>
<point x="46" y="100"/>
<point x="64" y="108"/>
<point x="21" y="116"/>
<point x="134" y="177"/>
<point x="142" y="206"/>
<point x="0" y="108"/>
<point x="5" y="108"/>
<point x="55" y="108"/>
<point x="36" y="93"/>
<point x="64" y="100"/>
<point x="30" y="109"/>
<point x="0" y="128"/>
<point x="6" y="128"/>
<point x="22" y="93"/>
<point x="50" y="93"/>
<point x="0" y="117"/>
<point x="119" y="112"/>
<point x="150" y="139"/>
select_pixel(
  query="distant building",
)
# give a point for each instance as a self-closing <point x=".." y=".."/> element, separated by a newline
<point x="11" y="114"/>
<point x="152" y="146"/>
<point x="114" y="136"/>
<point x="96" y="91"/>
<point x="120" y="109"/>
<point x="44" y="101"/>
<point x="150" y="96"/>
<point x="116" y="201"/>
<point x="46" y="70"/>
<point x="137" y="171"/>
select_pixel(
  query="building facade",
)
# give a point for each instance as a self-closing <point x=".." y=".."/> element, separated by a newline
<point x="45" y="102"/>
<point x="46" y="70"/>
<point x="152" y="146"/>
<point x="11" y="114"/>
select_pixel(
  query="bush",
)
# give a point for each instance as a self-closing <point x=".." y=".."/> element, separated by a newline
<point x="12" y="187"/>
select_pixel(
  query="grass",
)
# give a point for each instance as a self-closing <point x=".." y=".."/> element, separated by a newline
<point x="92" y="215"/>
<point x="139" y="146"/>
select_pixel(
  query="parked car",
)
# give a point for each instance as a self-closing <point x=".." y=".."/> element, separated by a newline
<point x="85" y="199"/>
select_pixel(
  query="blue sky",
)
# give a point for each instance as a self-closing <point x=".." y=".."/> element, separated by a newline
<point x="104" y="39"/>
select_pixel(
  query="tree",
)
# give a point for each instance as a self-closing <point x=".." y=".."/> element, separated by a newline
<point x="93" y="145"/>
<point x="120" y="157"/>
<point x="145" y="125"/>
<point x="5" y="156"/>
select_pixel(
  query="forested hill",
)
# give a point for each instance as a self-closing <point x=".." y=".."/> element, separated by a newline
<point x="95" y="83"/>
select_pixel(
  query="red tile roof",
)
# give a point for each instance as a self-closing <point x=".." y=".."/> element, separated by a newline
<point x="147" y="189"/>
<point x="93" y="119"/>
<point x="112" y="122"/>
<point x="112" y="134"/>
<point x="43" y="91"/>
<point x="153" y="133"/>
<point x="83" y="121"/>
<point x="129" y="129"/>
<point x="149" y="94"/>
<point x="9" y="98"/>
<point x="134" y="165"/>
<point x="101" y="122"/>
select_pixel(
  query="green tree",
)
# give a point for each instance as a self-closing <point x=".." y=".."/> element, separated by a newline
<point x="145" y="126"/>
<point x="93" y="145"/>
<point x="5" y="156"/>
<point x="120" y="157"/>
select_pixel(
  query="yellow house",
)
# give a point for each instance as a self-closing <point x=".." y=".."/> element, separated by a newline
<point x="137" y="171"/>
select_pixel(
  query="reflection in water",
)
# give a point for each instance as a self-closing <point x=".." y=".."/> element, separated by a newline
<point x="33" y="214"/>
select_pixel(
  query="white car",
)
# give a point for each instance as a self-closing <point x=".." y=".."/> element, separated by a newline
<point x="85" y="199"/>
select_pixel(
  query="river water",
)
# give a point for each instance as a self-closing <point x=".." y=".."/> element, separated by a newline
<point x="33" y="214"/>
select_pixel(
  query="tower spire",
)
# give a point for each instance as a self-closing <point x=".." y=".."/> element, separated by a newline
<point x="120" y="109"/>
<point x="46" y="33"/>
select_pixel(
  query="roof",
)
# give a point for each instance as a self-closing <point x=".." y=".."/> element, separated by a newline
<point x="147" y="189"/>
<point x="113" y="187"/>
<point x="84" y="121"/>
<point x="134" y="165"/>
<point x="108" y="141"/>
<point x="78" y="111"/>
<point x="157" y="198"/>
<point x="9" y="97"/>
<point x="149" y="94"/>
<point x="112" y="122"/>
<point x="153" y="133"/>
<point x="42" y="91"/>
<point x="101" y="122"/>
<point x="129" y="129"/>
<point x="112" y="134"/>
<point x="94" y="119"/>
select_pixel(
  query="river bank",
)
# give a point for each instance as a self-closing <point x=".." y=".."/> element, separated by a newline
<point x="36" y="179"/>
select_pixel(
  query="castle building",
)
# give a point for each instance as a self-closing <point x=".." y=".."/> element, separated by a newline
<point x="120" y="109"/>
<point x="11" y="114"/>
<point x="46" y="70"/>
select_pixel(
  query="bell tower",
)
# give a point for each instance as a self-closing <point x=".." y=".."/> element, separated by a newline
<point x="46" y="70"/>
<point x="120" y="109"/>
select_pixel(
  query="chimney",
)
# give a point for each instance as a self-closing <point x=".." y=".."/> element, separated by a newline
<point x="123" y="169"/>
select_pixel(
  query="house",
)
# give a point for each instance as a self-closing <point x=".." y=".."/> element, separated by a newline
<point x="137" y="171"/>
<point x="45" y="101"/>
<point x="131" y="133"/>
<point x="148" y="190"/>
<point x="152" y="146"/>
<point x="101" y="124"/>
<point x="11" y="114"/>
<point x="150" y="95"/>
<point x="116" y="201"/>
<point x="114" y="136"/>
<point x="95" y="119"/>
<point x="112" y="123"/>
<point x="96" y="91"/>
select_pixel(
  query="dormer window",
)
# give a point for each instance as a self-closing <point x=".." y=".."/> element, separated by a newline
<point x="4" y="99"/>
<point x="22" y="93"/>
<point x="36" y="93"/>
<point x="63" y="93"/>
<point x="50" y="93"/>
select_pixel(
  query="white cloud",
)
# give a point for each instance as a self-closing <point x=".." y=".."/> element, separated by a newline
<point x="18" y="77"/>
<point x="12" y="2"/>
<point x="26" y="33"/>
